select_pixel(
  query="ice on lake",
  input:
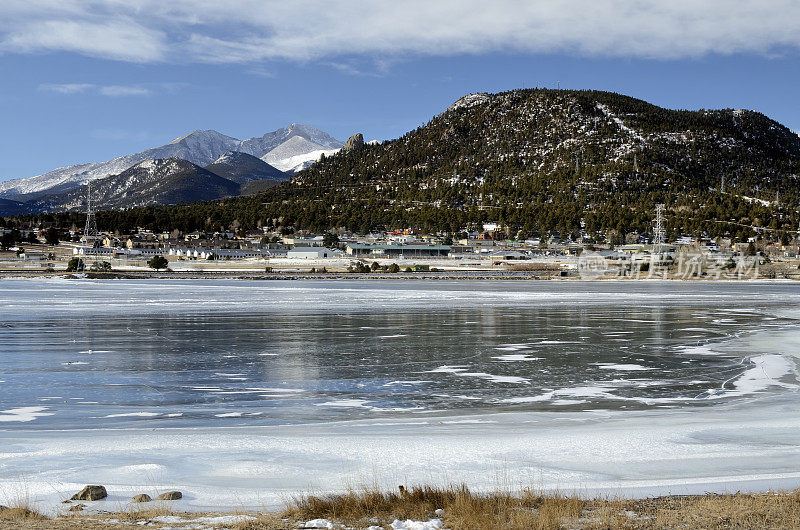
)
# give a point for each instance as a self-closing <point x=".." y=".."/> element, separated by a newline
<point x="267" y="388"/>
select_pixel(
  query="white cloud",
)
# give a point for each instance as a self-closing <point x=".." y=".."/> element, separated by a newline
<point x="66" y="88"/>
<point x="242" y="31"/>
<point x="108" y="90"/>
<point x="122" y="40"/>
<point x="118" y="90"/>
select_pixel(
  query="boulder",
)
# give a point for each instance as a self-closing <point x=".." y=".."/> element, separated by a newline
<point x="170" y="496"/>
<point x="142" y="497"/>
<point x="77" y="508"/>
<point x="354" y="142"/>
<point x="91" y="493"/>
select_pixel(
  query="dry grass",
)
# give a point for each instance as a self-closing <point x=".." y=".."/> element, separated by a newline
<point x="140" y="512"/>
<point x="464" y="510"/>
<point x="767" y="510"/>
<point x="461" y="509"/>
<point x="267" y="521"/>
<point x="18" y="513"/>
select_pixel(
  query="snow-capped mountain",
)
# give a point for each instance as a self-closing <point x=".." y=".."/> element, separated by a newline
<point x="199" y="147"/>
<point x="152" y="181"/>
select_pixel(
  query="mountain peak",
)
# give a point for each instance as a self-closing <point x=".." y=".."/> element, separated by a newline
<point x="202" y="135"/>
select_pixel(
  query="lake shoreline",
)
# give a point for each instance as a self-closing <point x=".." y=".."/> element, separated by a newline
<point x="433" y="276"/>
<point x="432" y="508"/>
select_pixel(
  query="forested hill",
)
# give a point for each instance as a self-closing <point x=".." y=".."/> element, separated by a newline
<point x="540" y="160"/>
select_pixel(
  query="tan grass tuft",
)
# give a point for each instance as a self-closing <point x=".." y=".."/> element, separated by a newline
<point x="20" y="513"/>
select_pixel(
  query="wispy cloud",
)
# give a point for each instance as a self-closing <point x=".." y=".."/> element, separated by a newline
<point x="66" y="88"/>
<point x="118" y="90"/>
<point x="252" y="31"/>
<point x="103" y="90"/>
<point x="351" y="69"/>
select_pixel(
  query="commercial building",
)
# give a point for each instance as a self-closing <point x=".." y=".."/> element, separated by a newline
<point x="397" y="251"/>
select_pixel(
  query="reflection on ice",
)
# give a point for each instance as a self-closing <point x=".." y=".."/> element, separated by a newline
<point x="201" y="354"/>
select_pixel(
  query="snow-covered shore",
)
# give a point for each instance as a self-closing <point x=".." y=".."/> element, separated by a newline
<point x="747" y="447"/>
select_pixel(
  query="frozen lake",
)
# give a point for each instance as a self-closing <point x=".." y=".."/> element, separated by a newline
<point x="268" y="388"/>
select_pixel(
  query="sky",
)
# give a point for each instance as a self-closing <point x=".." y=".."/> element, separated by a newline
<point x="88" y="80"/>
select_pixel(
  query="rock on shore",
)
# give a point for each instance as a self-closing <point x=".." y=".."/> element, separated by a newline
<point x="91" y="493"/>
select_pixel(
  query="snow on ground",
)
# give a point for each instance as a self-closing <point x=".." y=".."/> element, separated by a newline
<point x="408" y="524"/>
<point x="747" y="446"/>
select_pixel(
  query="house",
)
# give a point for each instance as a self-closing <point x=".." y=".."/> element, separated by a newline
<point x="309" y="253"/>
<point x="110" y="241"/>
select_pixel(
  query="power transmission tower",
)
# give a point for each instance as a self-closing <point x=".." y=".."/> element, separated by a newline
<point x="658" y="230"/>
<point x="90" y="230"/>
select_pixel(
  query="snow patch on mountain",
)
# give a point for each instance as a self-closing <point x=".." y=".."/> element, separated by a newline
<point x="470" y="100"/>
<point x="297" y="163"/>
<point x="616" y="119"/>
<point x="297" y="153"/>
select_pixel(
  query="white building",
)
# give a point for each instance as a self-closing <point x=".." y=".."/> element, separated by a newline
<point x="309" y="253"/>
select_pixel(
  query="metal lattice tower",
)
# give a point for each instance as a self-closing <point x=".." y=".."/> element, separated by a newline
<point x="658" y="230"/>
<point x="90" y="230"/>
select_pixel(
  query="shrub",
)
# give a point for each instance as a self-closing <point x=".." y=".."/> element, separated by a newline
<point x="158" y="262"/>
<point x="101" y="266"/>
<point x="75" y="265"/>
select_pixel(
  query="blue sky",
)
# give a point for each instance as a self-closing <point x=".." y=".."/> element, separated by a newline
<point x="87" y="80"/>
